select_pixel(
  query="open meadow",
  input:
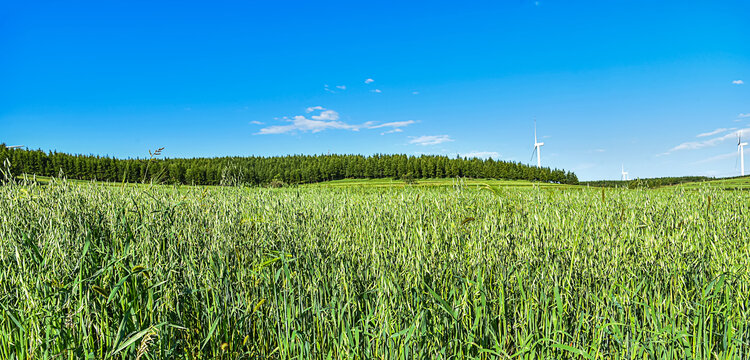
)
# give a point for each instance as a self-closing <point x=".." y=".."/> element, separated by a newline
<point x="356" y="180"/>
<point x="461" y="271"/>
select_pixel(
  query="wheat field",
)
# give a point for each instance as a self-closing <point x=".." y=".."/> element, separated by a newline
<point x="156" y="272"/>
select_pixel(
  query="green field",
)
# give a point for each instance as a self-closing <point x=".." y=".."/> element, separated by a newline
<point x="443" y="182"/>
<point x="475" y="183"/>
<point x="392" y="270"/>
<point x="740" y="183"/>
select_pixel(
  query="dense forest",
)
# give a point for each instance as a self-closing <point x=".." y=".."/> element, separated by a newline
<point x="647" y="183"/>
<point x="294" y="169"/>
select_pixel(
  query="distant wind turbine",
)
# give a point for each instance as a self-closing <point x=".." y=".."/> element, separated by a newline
<point x="624" y="174"/>
<point x="741" y="152"/>
<point x="537" y="148"/>
<point x="15" y="146"/>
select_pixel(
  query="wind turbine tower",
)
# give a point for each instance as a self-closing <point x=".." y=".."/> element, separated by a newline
<point x="741" y="151"/>
<point x="624" y="174"/>
<point x="537" y="148"/>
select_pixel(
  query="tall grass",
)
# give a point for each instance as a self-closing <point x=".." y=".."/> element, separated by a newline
<point x="88" y="271"/>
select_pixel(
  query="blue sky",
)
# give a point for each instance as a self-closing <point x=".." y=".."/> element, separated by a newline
<point x="661" y="87"/>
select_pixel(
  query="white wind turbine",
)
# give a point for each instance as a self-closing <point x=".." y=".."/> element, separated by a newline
<point x="741" y="152"/>
<point x="537" y="148"/>
<point x="624" y="174"/>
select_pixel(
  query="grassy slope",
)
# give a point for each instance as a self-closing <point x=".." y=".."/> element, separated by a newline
<point x="445" y="182"/>
<point x="724" y="184"/>
<point x="45" y="180"/>
<point x="740" y="183"/>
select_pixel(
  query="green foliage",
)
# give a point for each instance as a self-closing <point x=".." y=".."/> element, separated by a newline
<point x="95" y="271"/>
<point x="277" y="183"/>
<point x="408" y="178"/>
<point x="297" y="169"/>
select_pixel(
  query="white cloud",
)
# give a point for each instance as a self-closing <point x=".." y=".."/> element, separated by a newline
<point x="324" y="119"/>
<point x="276" y="129"/>
<point x="369" y="81"/>
<point x="717" y="131"/>
<point x="482" y="154"/>
<point x="328" y="88"/>
<point x="694" y="145"/>
<point x="415" y="92"/>
<point x="743" y="115"/>
<point x="376" y="91"/>
<point x="394" y="124"/>
<point x="737" y="82"/>
<point x="425" y="140"/>
<point x="600" y="150"/>
<point x="396" y="130"/>
<point x="256" y="122"/>
<point x="303" y="124"/>
<point x="326" y="115"/>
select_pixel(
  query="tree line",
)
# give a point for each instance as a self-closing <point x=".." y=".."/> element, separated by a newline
<point x="255" y="170"/>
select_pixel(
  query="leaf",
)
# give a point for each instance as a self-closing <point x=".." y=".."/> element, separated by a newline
<point x="135" y="338"/>
<point x="402" y="332"/>
<point x="443" y="303"/>
<point x="85" y="249"/>
<point x="37" y="257"/>
<point x="493" y="352"/>
<point x="718" y="281"/>
<point x="117" y="287"/>
<point x="267" y="262"/>
<point x="126" y="316"/>
<point x="573" y="350"/>
<point x="210" y="332"/>
<point x="258" y="305"/>
<point x="15" y="321"/>
<point x="99" y="290"/>
<point x="558" y="300"/>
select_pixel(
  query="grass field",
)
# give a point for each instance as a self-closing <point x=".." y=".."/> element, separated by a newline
<point x="742" y="183"/>
<point x="723" y="184"/>
<point x="151" y="272"/>
<point x="476" y="183"/>
<point x="443" y="182"/>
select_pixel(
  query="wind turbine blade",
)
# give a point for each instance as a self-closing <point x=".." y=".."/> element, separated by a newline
<point x="533" y="153"/>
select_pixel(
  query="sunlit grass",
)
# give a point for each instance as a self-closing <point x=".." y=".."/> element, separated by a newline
<point x="738" y="183"/>
<point x="364" y="272"/>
